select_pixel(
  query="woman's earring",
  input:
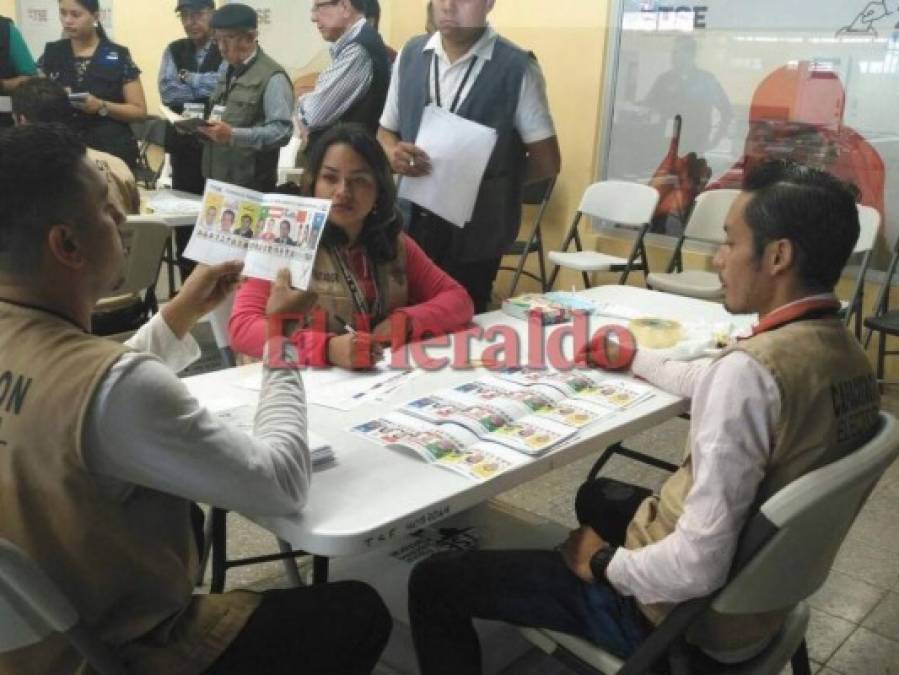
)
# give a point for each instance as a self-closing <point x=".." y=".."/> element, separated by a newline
<point x="96" y="24"/>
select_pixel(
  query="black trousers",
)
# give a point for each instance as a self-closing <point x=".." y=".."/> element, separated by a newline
<point x="525" y="588"/>
<point x="435" y="236"/>
<point x="337" y="628"/>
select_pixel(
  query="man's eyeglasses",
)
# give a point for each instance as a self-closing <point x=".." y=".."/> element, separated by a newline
<point x="317" y="6"/>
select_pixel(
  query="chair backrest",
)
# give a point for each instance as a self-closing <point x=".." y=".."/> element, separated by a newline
<point x="621" y="202"/>
<point x="144" y="238"/>
<point x="869" y="226"/>
<point x="709" y="213"/>
<point x="812" y="516"/>
<point x="31" y="606"/>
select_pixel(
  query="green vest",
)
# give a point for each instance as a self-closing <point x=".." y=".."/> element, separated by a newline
<point x="244" y="107"/>
<point x="829" y="403"/>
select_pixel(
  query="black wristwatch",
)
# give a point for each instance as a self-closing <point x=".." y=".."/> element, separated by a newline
<point x="600" y="561"/>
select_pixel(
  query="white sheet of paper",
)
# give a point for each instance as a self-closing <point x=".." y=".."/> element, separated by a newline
<point x="173" y="203"/>
<point x="459" y="150"/>
<point x="252" y="231"/>
<point x="5" y="104"/>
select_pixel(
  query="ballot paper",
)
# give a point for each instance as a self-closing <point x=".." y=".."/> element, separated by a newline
<point x="5" y="104"/>
<point x="459" y="150"/>
<point x="267" y="231"/>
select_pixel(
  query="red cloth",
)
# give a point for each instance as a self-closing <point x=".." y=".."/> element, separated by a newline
<point x="437" y="304"/>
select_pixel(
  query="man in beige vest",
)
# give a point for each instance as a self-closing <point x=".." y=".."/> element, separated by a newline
<point x="763" y="414"/>
<point x="40" y="100"/>
<point x="98" y="492"/>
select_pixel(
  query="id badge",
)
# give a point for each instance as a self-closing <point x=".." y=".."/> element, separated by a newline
<point x="218" y="111"/>
<point x="194" y="111"/>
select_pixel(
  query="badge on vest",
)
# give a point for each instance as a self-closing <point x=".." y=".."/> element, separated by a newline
<point x="112" y="56"/>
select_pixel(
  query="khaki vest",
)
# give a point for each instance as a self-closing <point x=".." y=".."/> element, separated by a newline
<point x="244" y="107"/>
<point x="335" y="298"/>
<point x="127" y="566"/>
<point x="829" y="407"/>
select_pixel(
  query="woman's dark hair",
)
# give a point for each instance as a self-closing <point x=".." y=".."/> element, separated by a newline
<point x="811" y="208"/>
<point x="93" y="6"/>
<point x="383" y="225"/>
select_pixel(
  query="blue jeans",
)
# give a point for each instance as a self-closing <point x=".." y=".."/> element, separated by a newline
<point x="525" y="588"/>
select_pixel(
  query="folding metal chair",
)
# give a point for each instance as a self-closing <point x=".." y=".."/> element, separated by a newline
<point x="536" y="194"/>
<point x="150" y="133"/>
<point x="132" y="303"/>
<point x="869" y="226"/>
<point x="32" y="608"/>
<point x="624" y="204"/>
<point x="706" y="225"/>
<point x="785" y="554"/>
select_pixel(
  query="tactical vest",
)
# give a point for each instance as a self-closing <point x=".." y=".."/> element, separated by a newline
<point x="366" y="110"/>
<point x="244" y="107"/>
<point x="128" y="566"/>
<point x="105" y="80"/>
<point x="492" y="101"/>
<point x="818" y="424"/>
<point x="335" y="298"/>
<point x="184" y="54"/>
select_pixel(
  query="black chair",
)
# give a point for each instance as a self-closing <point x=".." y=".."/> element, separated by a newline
<point x="535" y="194"/>
<point x="149" y="132"/>
<point x="884" y="321"/>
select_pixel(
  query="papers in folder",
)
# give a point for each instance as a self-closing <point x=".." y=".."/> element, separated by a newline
<point x="459" y="150"/>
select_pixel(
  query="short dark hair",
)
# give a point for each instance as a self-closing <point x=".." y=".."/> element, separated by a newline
<point x="39" y="172"/>
<point x="384" y="223"/>
<point x="41" y="100"/>
<point x="811" y="208"/>
<point x="360" y="6"/>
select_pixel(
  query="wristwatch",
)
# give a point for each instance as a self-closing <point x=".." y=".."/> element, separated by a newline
<point x="600" y="561"/>
<point x="103" y="111"/>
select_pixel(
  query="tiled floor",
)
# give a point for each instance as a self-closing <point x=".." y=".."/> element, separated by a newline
<point x="855" y="617"/>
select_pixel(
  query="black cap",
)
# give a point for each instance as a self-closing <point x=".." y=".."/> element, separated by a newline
<point x="234" y="15"/>
<point x="195" y="5"/>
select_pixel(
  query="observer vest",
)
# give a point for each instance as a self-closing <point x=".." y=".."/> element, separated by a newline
<point x="492" y="101"/>
<point x="105" y="80"/>
<point x="184" y="54"/>
<point x="366" y="110"/>
<point x="127" y="566"/>
<point x="335" y="297"/>
<point x="243" y="101"/>
<point x="829" y="407"/>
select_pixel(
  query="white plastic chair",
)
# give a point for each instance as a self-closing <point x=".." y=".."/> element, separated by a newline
<point x="134" y="299"/>
<point x="785" y="555"/>
<point x="625" y="204"/>
<point x="32" y="608"/>
<point x="706" y="225"/>
<point x="869" y="226"/>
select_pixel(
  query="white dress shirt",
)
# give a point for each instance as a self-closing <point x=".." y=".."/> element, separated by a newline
<point x="533" y="120"/>
<point x="144" y="429"/>
<point x="735" y="406"/>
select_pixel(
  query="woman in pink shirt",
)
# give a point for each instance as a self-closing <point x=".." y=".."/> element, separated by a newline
<point x="367" y="272"/>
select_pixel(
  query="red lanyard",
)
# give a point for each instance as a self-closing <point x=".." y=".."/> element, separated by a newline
<point x="804" y="309"/>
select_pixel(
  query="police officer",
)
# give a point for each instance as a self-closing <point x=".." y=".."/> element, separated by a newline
<point x="252" y="104"/>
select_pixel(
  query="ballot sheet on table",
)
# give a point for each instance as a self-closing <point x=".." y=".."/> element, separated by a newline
<point x="267" y="231"/>
<point x="459" y="150"/>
